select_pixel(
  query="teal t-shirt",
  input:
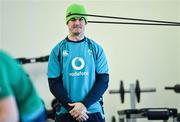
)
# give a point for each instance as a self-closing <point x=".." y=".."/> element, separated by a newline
<point x="15" y="82"/>
<point x="78" y="62"/>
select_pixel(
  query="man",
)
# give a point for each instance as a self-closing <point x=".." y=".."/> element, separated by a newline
<point x="19" y="101"/>
<point x="78" y="72"/>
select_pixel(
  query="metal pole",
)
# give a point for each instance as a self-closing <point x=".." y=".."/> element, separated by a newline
<point x="132" y="99"/>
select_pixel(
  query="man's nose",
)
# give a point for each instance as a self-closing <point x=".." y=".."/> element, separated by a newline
<point x="77" y="21"/>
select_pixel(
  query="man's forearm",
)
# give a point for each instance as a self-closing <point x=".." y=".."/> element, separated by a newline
<point x="58" y="90"/>
<point x="100" y="86"/>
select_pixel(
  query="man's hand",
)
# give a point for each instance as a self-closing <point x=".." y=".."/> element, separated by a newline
<point x="82" y="117"/>
<point x="79" y="111"/>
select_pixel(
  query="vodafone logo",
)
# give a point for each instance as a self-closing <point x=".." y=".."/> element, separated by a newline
<point x="78" y="63"/>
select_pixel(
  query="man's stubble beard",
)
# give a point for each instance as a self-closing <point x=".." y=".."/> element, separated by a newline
<point x="76" y="33"/>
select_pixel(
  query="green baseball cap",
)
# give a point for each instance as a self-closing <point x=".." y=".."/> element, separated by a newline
<point x="75" y="9"/>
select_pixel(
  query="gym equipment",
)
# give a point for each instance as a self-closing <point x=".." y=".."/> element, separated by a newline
<point x="121" y="91"/>
<point x="135" y="94"/>
<point x="33" y="60"/>
<point x="150" y="113"/>
<point x="113" y="119"/>
<point x="134" y="90"/>
<point x="51" y="113"/>
<point x="146" y="21"/>
<point x="176" y="88"/>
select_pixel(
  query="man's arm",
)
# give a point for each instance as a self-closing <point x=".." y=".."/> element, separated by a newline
<point x="55" y="78"/>
<point x="8" y="110"/>
<point x="101" y="78"/>
<point x="58" y="90"/>
<point x="98" y="89"/>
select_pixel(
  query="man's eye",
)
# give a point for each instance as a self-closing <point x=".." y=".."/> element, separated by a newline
<point x="81" y="19"/>
<point x="72" y="19"/>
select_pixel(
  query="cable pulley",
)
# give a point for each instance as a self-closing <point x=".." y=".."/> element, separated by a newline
<point x="145" y="21"/>
<point x="33" y="60"/>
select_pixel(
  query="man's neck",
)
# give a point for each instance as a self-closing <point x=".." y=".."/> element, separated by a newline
<point x="75" y="38"/>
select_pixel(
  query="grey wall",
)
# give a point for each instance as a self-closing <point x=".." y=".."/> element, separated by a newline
<point x="149" y="53"/>
<point x="178" y="46"/>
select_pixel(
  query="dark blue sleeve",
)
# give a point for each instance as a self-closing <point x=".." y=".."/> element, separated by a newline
<point x="100" y="86"/>
<point x="58" y="90"/>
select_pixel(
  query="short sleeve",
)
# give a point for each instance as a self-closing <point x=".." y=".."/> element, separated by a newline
<point x="5" y="87"/>
<point x="101" y="61"/>
<point x="54" y="63"/>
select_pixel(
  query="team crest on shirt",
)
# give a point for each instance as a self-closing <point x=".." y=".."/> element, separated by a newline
<point x="89" y="51"/>
<point x="65" y="53"/>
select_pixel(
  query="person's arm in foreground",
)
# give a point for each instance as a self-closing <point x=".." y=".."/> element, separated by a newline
<point x="8" y="110"/>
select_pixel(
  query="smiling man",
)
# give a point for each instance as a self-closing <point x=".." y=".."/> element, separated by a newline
<point x="78" y="72"/>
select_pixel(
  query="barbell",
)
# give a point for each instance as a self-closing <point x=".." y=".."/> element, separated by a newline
<point x="137" y="91"/>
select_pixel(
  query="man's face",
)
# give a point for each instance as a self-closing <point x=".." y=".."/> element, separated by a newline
<point x="76" y="26"/>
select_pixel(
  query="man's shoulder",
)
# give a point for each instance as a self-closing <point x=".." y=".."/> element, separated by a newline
<point x="59" y="44"/>
<point x="94" y="42"/>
